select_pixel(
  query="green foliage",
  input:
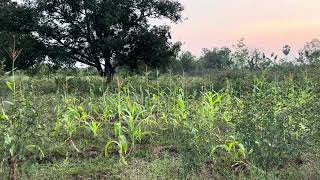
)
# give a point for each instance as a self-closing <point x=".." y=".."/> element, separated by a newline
<point x="93" y="127"/>
<point x="272" y="124"/>
<point x="23" y="133"/>
<point x="258" y="127"/>
<point x="231" y="123"/>
<point x="259" y="60"/>
<point x="116" y="32"/>
<point x="19" y="21"/>
<point x="310" y="52"/>
<point x="216" y="58"/>
<point x="241" y="54"/>
<point x="185" y="62"/>
<point x="121" y="143"/>
<point x="232" y="153"/>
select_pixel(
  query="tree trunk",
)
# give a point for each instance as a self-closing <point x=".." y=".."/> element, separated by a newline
<point x="108" y="73"/>
<point x="100" y="70"/>
<point x="109" y="69"/>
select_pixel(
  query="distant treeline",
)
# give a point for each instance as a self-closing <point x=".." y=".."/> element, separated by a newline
<point x="241" y="57"/>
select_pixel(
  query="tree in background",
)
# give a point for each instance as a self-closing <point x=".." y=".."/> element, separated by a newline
<point x="286" y="51"/>
<point x="259" y="60"/>
<point x="149" y="47"/>
<point x="256" y="58"/>
<point x="186" y="62"/>
<point x="216" y="58"/>
<point x="310" y="52"/>
<point x="240" y="55"/>
<point x="106" y="34"/>
<point x="20" y="22"/>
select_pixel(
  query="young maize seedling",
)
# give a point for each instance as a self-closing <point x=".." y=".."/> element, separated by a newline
<point x="234" y="153"/>
<point x="121" y="143"/>
<point x="93" y="126"/>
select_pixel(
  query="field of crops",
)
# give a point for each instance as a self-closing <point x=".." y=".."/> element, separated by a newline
<point x="223" y="125"/>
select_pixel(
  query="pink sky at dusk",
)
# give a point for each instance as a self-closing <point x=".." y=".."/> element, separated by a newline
<point x="265" y="24"/>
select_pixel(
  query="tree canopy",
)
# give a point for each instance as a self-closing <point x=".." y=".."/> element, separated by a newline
<point x="216" y="58"/>
<point x="310" y="52"/>
<point x="106" y="34"/>
<point x="19" y="22"/>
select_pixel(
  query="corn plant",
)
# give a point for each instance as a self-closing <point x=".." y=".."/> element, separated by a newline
<point x="232" y="153"/>
<point x="13" y="54"/>
<point x="108" y="107"/>
<point x="134" y="115"/>
<point x="210" y="105"/>
<point x="73" y="116"/>
<point x="121" y="143"/>
<point x="158" y="108"/>
<point x="180" y="109"/>
<point x="93" y="126"/>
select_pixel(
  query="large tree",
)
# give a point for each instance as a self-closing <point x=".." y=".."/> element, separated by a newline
<point x="108" y="33"/>
<point x="19" y="22"/>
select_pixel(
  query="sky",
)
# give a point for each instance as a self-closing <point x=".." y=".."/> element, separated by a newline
<point x="265" y="24"/>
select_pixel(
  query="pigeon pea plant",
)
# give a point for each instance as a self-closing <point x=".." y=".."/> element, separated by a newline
<point x="21" y="131"/>
<point x="272" y="122"/>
